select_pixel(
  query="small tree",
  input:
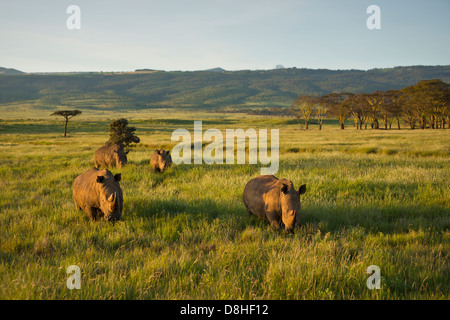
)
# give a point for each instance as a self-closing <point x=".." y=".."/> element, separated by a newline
<point x="375" y="101"/>
<point x="321" y="110"/>
<point x="120" y="133"/>
<point x="302" y="108"/>
<point x="393" y="104"/>
<point x="359" y="108"/>
<point x="67" y="114"/>
<point x="339" y="106"/>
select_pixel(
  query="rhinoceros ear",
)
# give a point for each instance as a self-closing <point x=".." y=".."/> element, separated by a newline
<point x="284" y="188"/>
<point x="100" y="179"/>
<point x="118" y="177"/>
<point x="302" y="189"/>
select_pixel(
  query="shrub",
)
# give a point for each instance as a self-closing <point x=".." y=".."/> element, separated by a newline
<point x="120" y="133"/>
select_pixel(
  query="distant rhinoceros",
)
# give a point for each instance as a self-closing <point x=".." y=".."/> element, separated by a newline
<point x="98" y="192"/>
<point x="274" y="200"/>
<point x="161" y="160"/>
<point x="110" y="156"/>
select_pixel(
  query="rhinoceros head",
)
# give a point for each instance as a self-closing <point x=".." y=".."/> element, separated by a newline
<point x="290" y="205"/>
<point x="110" y="193"/>
<point x="120" y="157"/>
<point x="164" y="159"/>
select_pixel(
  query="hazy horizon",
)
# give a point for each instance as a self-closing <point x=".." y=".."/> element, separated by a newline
<point x="160" y="70"/>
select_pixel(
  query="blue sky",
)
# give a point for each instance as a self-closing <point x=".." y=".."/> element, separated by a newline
<point x="234" y="35"/>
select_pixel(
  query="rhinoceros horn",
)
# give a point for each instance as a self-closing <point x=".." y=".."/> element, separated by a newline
<point x="112" y="197"/>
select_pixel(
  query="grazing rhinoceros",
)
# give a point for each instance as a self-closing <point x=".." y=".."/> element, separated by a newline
<point x="275" y="200"/>
<point x="161" y="160"/>
<point x="98" y="193"/>
<point x="110" y="156"/>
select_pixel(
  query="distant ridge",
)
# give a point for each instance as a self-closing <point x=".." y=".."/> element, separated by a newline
<point x="215" y="70"/>
<point x="209" y="89"/>
<point x="10" y="71"/>
<point x="145" y="70"/>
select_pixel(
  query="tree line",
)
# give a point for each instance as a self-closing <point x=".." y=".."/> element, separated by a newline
<point x="423" y="105"/>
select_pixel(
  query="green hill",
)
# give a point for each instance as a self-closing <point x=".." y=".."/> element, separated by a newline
<point x="209" y="89"/>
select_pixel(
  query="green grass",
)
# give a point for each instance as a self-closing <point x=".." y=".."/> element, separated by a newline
<point x="373" y="197"/>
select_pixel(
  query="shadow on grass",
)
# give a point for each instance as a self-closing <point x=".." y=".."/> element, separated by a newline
<point x="384" y="219"/>
<point x="189" y="124"/>
<point x="196" y="208"/>
<point x="54" y="126"/>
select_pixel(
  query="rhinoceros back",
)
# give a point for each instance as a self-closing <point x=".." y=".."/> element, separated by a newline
<point x="257" y="193"/>
<point x="108" y="156"/>
<point x="85" y="191"/>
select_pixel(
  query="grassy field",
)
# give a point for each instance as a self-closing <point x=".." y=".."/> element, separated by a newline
<point x="373" y="197"/>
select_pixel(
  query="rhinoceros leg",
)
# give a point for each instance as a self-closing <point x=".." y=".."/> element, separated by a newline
<point x="273" y="219"/>
<point x="76" y="205"/>
<point x="92" y="213"/>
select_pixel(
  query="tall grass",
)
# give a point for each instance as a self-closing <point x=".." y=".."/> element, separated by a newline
<point x="185" y="233"/>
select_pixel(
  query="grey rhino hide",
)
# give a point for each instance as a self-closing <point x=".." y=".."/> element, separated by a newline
<point x="110" y="156"/>
<point x="98" y="193"/>
<point x="161" y="160"/>
<point x="275" y="200"/>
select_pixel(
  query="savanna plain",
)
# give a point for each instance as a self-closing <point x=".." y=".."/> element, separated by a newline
<point x="374" y="197"/>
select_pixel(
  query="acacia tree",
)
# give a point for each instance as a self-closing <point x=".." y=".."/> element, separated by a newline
<point x="429" y="99"/>
<point x="384" y="111"/>
<point x="320" y="111"/>
<point x="414" y="105"/>
<point x="303" y="107"/>
<point x="410" y="118"/>
<point x="359" y="109"/>
<point x="445" y="116"/>
<point x="339" y="105"/>
<point x="435" y="95"/>
<point x="67" y="114"/>
<point x="375" y="100"/>
<point x="393" y="104"/>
